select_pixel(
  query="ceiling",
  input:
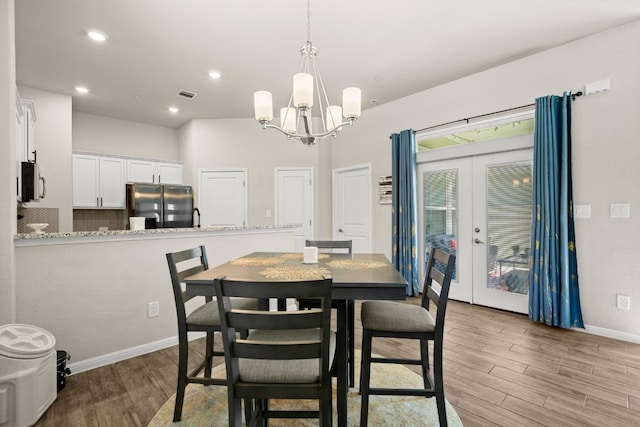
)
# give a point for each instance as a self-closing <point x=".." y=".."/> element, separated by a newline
<point x="390" y="49"/>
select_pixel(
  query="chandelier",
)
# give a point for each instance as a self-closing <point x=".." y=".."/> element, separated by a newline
<point x="296" y="117"/>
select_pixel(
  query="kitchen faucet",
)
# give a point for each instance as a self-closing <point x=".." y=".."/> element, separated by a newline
<point x="196" y="210"/>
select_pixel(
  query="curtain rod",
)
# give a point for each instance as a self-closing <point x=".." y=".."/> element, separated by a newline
<point x="573" y="97"/>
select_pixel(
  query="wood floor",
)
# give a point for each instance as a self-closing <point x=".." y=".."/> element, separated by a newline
<point x="500" y="370"/>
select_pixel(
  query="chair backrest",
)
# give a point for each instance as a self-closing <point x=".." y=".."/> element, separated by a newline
<point x="233" y="320"/>
<point x="439" y="269"/>
<point x="331" y="244"/>
<point x="184" y="264"/>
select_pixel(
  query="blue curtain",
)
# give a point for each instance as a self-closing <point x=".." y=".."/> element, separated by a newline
<point x="554" y="298"/>
<point x="404" y="208"/>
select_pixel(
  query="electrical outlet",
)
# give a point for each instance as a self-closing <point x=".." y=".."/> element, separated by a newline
<point x="153" y="309"/>
<point x="623" y="302"/>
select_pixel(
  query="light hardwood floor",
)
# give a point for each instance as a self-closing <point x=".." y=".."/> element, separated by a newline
<point x="500" y="370"/>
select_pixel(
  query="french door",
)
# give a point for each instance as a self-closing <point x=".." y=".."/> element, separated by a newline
<point x="479" y="208"/>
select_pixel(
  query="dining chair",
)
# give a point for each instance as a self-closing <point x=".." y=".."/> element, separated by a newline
<point x="341" y="245"/>
<point x="398" y="320"/>
<point x="287" y="355"/>
<point x="204" y="318"/>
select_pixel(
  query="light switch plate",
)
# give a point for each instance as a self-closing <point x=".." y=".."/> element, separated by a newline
<point x="582" y="211"/>
<point x="620" y="210"/>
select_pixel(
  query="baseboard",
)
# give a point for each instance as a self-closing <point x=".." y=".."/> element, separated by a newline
<point x="610" y="333"/>
<point x="107" y="359"/>
<point x="117" y="356"/>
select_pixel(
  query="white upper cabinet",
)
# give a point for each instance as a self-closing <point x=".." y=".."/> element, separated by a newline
<point x="98" y="182"/>
<point x="154" y="172"/>
<point x="170" y="173"/>
<point x="25" y="137"/>
<point x="141" y="171"/>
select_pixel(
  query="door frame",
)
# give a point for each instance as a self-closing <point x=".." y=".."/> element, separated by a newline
<point x="335" y="201"/>
<point x="245" y="173"/>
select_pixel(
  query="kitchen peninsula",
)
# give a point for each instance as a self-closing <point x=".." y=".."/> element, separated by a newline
<point x="91" y="290"/>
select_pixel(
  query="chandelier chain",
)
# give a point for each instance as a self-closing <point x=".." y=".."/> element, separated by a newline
<point x="308" y="20"/>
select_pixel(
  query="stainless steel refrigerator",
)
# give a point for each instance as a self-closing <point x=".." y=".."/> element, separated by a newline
<point x="163" y="206"/>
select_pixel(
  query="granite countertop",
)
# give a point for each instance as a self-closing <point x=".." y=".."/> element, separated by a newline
<point x="157" y="231"/>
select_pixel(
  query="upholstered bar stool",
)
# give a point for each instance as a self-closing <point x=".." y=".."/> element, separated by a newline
<point x="399" y="320"/>
<point x="204" y="318"/>
<point x="345" y="245"/>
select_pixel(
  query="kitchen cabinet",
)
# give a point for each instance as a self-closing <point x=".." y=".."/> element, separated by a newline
<point x="98" y="182"/>
<point x="25" y="138"/>
<point x="25" y="132"/>
<point x="152" y="172"/>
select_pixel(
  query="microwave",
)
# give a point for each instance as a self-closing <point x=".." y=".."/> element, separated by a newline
<point x="33" y="184"/>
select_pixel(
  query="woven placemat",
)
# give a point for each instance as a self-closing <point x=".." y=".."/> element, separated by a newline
<point x="296" y="272"/>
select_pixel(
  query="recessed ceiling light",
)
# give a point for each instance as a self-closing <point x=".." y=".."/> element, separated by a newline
<point x="82" y="89"/>
<point x="173" y="110"/>
<point x="97" y="35"/>
<point x="215" y="74"/>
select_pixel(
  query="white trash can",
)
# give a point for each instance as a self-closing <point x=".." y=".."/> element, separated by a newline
<point x="28" y="377"/>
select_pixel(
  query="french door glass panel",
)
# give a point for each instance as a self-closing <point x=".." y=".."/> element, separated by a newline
<point x="479" y="208"/>
<point x="502" y="206"/>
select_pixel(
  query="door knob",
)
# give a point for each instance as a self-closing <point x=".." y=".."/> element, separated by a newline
<point x="477" y="230"/>
<point x="478" y="241"/>
<point x="340" y="230"/>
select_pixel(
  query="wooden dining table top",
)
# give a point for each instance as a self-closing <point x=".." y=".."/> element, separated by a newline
<point x="355" y="277"/>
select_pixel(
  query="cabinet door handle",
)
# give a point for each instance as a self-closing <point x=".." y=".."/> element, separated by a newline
<point x="100" y="201"/>
<point x="158" y="178"/>
<point x="44" y="187"/>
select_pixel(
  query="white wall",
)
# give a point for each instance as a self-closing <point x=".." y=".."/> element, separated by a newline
<point x="100" y="134"/>
<point x="53" y="146"/>
<point x="92" y="295"/>
<point x="606" y="152"/>
<point x="7" y="161"/>
<point x="242" y="143"/>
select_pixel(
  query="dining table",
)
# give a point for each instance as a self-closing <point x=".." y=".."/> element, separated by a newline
<point x="362" y="276"/>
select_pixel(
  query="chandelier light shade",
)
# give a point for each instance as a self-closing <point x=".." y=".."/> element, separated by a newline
<point x="296" y="117"/>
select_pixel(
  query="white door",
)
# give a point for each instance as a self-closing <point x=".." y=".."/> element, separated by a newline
<point x="223" y="198"/>
<point x="352" y="206"/>
<point x="480" y="209"/>
<point x="294" y="201"/>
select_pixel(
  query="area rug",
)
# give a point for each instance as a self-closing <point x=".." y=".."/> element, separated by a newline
<point x="207" y="406"/>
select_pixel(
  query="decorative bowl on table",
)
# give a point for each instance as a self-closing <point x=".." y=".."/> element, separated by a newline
<point x="37" y="227"/>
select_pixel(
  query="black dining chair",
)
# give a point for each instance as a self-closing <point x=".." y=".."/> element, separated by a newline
<point x="398" y="320"/>
<point x="203" y="318"/>
<point x="341" y="246"/>
<point x="287" y="355"/>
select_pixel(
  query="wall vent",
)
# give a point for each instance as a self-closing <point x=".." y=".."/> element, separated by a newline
<point x="187" y="94"/>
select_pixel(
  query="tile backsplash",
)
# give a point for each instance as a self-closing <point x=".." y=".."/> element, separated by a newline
<point x="33" y="215"/>
<point x="93" y="219"/>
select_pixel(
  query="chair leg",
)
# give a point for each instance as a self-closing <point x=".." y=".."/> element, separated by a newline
<point x="235" y="411"/>
<point x="208" y="354"/>
<point x="424" y="356"/>
<point x="351" y="341"/>
<point x="183" y="354"/>
<point x="365" y="372"/>
<point x="326" y="409"/>
<point x="439" y="385"/>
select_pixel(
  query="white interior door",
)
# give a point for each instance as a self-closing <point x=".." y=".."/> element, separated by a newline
<point x="223" y="198"/>
<point x="352" y="206"/>
<point x="294" y="201"/>
<point x="480" y="209"/>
